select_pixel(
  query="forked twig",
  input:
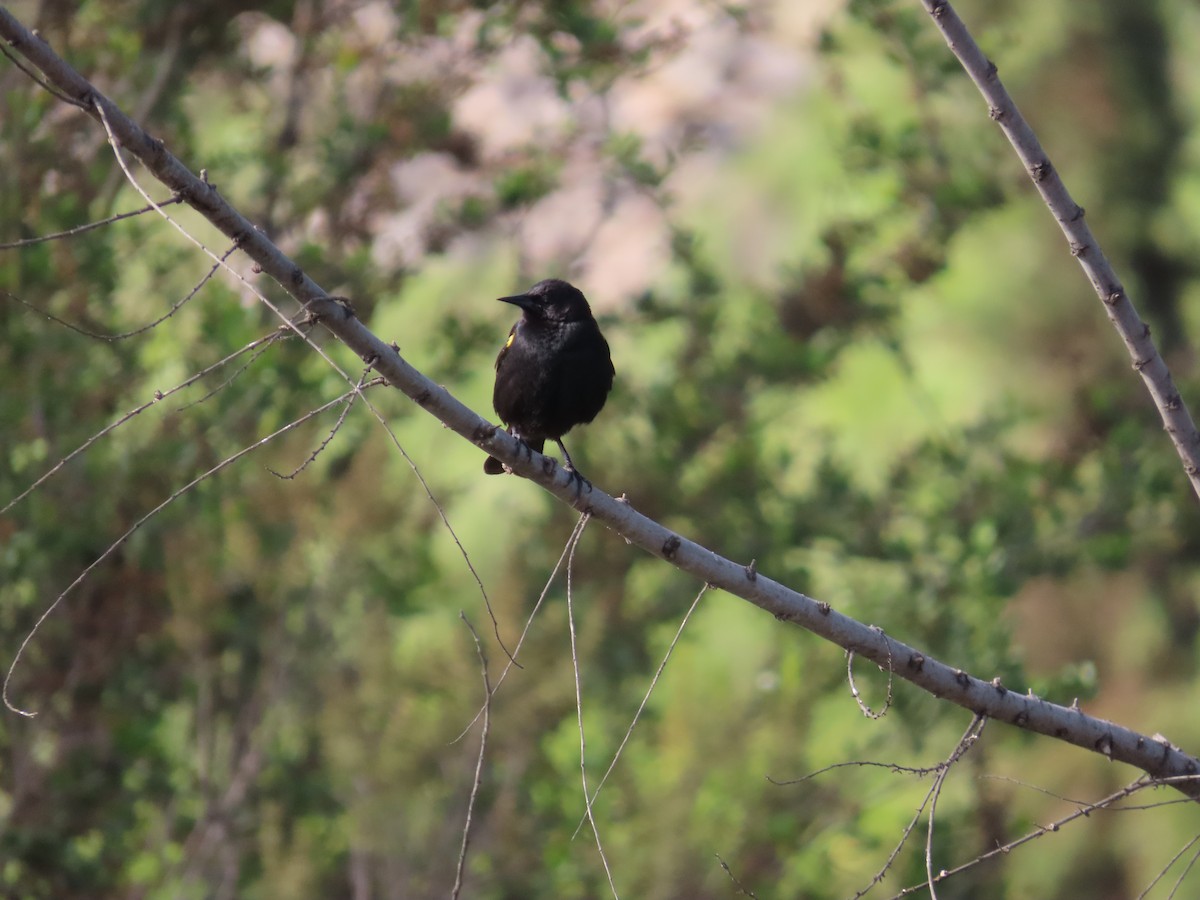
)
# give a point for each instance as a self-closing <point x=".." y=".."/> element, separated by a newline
<point x="965" y="743"/>
<point x="1106" y="803"/>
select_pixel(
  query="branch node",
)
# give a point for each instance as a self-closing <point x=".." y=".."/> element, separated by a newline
<point x="1000" y="689"/>
<point x="1114" y="298"/>
<point x="824" y="608"/>
<point x="1041" y="171"/>
<point x="1078" y="250"/>
<point x="346" y="305"/>
<point x="752" y="570"/>
<point x="670" y="547"/>
<point x="158" y="147"/>
<point x="1079" y="213"/>
<point x="963" y="679"/>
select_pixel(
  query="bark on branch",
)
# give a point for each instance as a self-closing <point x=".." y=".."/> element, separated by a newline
<point x="1135" y="333"/>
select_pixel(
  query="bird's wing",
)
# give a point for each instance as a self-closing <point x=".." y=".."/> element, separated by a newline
<point x="512" y="336"/>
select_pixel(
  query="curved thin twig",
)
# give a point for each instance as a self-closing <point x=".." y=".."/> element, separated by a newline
<point x="579" y="708"/>
<point x="478" y="780"/>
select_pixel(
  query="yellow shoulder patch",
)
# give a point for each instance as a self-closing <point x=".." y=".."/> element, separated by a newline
<point x="512" y="337"/>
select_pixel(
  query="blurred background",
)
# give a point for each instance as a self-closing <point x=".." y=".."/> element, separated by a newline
<point x="850" y="343"/>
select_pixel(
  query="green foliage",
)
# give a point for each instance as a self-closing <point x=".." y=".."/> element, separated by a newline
<point x="866" y="363"/>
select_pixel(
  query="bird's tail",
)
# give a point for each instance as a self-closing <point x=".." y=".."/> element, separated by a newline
<point x="493" y="466"/>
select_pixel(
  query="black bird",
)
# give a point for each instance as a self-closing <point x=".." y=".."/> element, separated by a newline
<point x="554" y="372"/>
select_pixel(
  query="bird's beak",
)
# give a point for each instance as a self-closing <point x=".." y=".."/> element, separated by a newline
<point x="522" y="300"/>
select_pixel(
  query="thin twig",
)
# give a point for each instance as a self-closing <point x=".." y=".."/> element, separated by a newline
<point x="487" y="714"/>
<point x="158" y="397"/>
<point x="487" y="602"/>
<point x="887" y="703"/>
<point x="280" y="332"/>
<point x="134" y="527"/>
<point x="529" y="619"/>
<point x="641" y="706"/>
<point x="970" y="736"/>
<point x="113" y="338"/>
<point x="337" y="426"/>
<point x="893" y="767"/>
<point x="179" y="303"/>
<point x="1182" y="875"/>
<point x="1043" y="830"/>
<point x="45" y="85"/>
<point x="115" y="142"/>
<point x="974" y="730"/>
<point x="579" y="709"/>
<point x="744" y="891"/>
<point x="90" y="226"/>
<point x="1167" y="868"/>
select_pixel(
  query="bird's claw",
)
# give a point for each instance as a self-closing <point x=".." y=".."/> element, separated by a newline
<point x="578" y="480"/>
<point x="523" y="447"/>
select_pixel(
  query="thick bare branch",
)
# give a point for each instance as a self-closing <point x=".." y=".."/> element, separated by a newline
<point x="1147" y="361"/>
<point x="1156" y="756"/>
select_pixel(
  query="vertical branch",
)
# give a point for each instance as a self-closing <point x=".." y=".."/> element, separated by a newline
<point x="1147" y="361"/>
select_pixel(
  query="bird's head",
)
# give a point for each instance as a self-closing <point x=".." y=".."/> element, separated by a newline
<point x="552" y="300"/>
